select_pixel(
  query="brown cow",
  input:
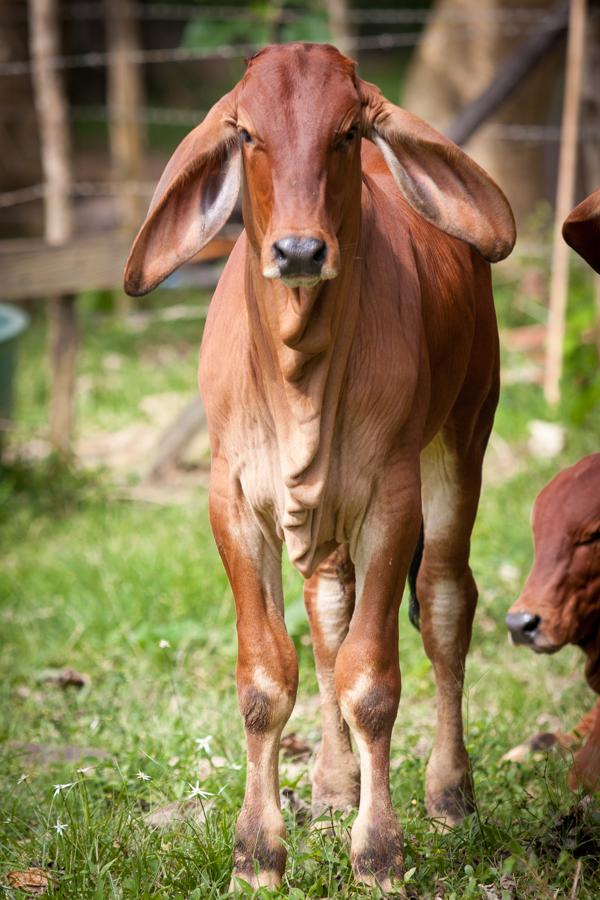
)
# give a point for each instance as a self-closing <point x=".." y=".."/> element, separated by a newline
<point x="349" y="370"/>
<point x="560" y="603"/>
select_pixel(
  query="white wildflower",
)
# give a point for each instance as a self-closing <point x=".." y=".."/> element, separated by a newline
<point x="196" y="791"/>
<point x="141" y="776"/>
<point x="22" y="778"/>
<point x="163" y="644"/>
<point x="61" y="787"/>
<point x="203" y="743"/>
<point x="60" y="827"/>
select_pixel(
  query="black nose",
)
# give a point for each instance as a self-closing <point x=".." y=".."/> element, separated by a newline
<point x="522" y="627"/>
<point x="299" y="256"/>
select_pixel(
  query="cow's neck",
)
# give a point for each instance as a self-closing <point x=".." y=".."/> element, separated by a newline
<point x="302" y="340"/>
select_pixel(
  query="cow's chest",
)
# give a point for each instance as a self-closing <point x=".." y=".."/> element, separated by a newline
<point x="313" y="513"/>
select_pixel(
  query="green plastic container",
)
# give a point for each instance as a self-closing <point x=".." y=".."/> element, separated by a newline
<point x="12" y="324"/>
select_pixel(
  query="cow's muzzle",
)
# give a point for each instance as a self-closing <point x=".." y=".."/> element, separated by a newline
<point x="299" y="257"/>
<point x="523" y="627"/>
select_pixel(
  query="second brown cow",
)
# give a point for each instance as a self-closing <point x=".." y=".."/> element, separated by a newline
<point x="560" y="603"/>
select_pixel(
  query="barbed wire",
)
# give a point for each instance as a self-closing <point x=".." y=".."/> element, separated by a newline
<point x="80" y="189"/>
<point x="100" y="58"/>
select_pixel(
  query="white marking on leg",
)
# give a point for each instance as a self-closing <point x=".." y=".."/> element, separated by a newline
<point x="331" y="608"/>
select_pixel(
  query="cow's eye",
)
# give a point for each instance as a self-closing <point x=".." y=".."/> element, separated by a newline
<point x="351" y="134"/>
<point x="590" y="539"/>
<point x="245" y="136"/>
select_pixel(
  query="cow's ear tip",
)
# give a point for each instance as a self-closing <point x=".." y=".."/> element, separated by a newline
<point x="135" y="284"/>
<point x="503" y="249"/>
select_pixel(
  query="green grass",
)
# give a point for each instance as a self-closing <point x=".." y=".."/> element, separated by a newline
<point x="95" y="582"/>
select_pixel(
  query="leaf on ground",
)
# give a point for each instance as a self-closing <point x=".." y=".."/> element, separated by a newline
<point x="31" y="754"/>
<point x="192" y="810"/>
<point x="64" y="678"/>
<point x="30" y="881"/>
<point x="294" y="746"/>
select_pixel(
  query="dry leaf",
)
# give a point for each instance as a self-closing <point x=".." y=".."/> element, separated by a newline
<point x="47" y="753"/>
<point x="64" y="678"/>
<point x="31" y="881"/>
<point x="192" y="810"/>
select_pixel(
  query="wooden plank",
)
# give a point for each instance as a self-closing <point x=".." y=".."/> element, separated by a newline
<point x="173" y="441"/>
<point x="30" y="268"/>
<point x="565" y="190"/>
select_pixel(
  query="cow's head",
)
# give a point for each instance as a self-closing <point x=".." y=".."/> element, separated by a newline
<point x="581" y="230"/>
<point x="294" y="124"/>
<point x="560" y="603"/>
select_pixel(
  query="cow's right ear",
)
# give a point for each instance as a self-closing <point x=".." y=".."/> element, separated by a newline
<point x="581" y="230"/>
<point x="194" y="198"/>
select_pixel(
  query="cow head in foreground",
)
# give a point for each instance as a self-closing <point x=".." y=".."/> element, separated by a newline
<point x="349" y="371"/>
<point x="294" y="123"/>
<point x="560" y="603"/>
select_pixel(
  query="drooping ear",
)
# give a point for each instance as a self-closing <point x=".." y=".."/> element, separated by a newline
<point x="439" y="181"/>
<point x="194" y="198"/>
<point x="581" y="230"/>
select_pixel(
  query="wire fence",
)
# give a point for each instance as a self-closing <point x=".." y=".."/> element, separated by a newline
<point x="518" y="20"/>
<point x="507" y="22"/>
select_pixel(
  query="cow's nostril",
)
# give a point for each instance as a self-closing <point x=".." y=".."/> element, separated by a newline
<point x="278" y="254"/>
<point x="522" y="626"/>
<point x="531" y="624"/>
<point x="321" y="253"/>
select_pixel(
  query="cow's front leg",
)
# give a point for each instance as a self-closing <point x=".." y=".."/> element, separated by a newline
<point x="329" y="599"/>
<point x="267" y="678"/>
<point x="368" y="677"/>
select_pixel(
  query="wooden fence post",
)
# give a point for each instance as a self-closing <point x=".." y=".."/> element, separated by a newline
<point x="52" y="115"/>
<point x="125" y="101"/>
<point x="567" y="169"/>
<point x="339" y="24"/>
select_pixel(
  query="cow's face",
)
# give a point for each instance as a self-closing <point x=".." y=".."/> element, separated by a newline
<point x="299" y="121"/>
<point x="294" y="124"/>
<point x="560" y="603"/>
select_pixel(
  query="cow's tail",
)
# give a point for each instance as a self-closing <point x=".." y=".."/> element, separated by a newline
<point x="414" y="610"/>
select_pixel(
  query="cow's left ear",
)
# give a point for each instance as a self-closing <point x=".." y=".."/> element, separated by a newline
<point x="581" y="230"/>
<point x="438" y="180"/>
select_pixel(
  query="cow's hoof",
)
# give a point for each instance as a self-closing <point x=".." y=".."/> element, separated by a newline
<point x="452" y="804"/>
<point x="378" y="856"/>
<point x="258" y="862"/>
<point x="335" y="787"/>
